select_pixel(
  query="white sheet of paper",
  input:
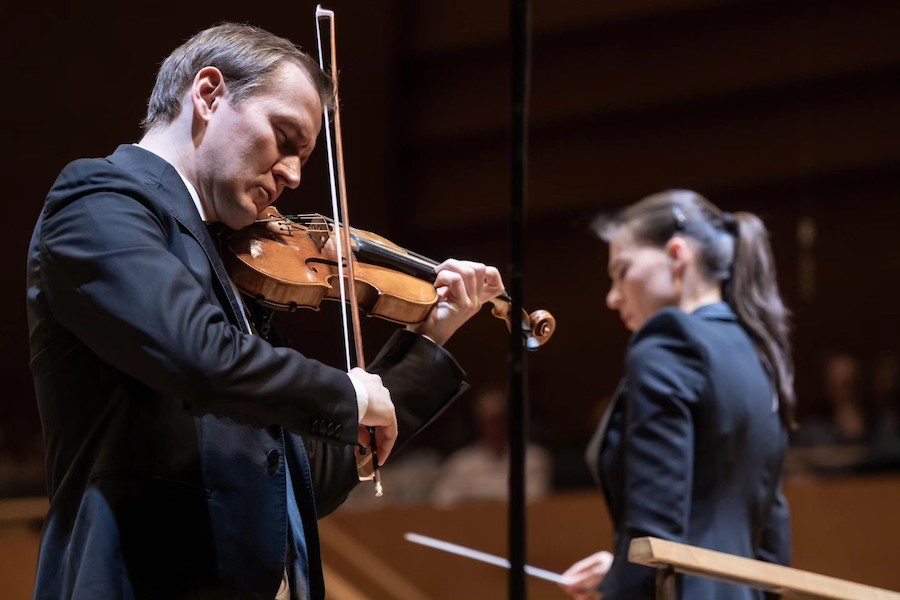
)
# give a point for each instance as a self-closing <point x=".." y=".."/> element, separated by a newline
<point x="481" y="556"/>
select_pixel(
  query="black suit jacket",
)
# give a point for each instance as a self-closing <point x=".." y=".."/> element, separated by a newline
<point x="692" y="450"/>
<point x="167" y="427"/>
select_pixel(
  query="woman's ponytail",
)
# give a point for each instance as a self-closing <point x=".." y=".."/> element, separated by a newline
<point x="752" y="291"/>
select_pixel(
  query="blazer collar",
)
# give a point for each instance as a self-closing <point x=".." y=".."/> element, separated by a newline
<point x="717" y="311"/>
<point x="595" y="445"/>
<point x="161" y="176"/>
<point x="158" y="173"/>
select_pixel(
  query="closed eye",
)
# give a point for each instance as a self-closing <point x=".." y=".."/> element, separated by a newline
<point x="284" y="142"/>
<point x="617" y="270"/>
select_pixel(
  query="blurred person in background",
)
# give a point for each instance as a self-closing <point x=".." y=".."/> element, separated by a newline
<point x="692" y="446"/>
<point x="834" y="436"/>
<point x="480" y="471"/>
<point x="841" y="417"/>
<point x="885" y="431"/>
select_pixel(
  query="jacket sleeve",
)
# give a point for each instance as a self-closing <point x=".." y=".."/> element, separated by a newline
<point x="665" y="379"/>
<point x="423" y="379"/>
<point x="112" y="280"/>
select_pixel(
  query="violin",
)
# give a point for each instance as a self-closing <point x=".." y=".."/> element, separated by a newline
<point x="288" y="262"/>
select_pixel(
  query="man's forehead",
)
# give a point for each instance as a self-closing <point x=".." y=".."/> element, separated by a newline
<point x="290" y="78"/>
<point x="289" y="93"/>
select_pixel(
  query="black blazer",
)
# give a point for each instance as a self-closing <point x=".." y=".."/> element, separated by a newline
<point x="167" y="428"/>
<point x="691" y="450"/>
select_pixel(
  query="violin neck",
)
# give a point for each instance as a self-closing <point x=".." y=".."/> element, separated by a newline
<point x="374" y="253"/>
<point x="407" y="262"/>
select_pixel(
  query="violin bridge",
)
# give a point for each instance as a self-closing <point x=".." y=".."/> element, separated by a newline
<point x="319" y="231"/>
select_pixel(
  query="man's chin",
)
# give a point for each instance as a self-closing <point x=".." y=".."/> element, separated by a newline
<point x="239" y="220"/>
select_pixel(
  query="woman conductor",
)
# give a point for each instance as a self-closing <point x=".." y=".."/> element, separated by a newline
<point x="692" y="446"/>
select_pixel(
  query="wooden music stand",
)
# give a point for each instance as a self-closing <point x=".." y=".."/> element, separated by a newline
<point x="669" y="558"/>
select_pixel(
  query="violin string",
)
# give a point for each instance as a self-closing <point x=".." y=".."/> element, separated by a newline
<point x="318" y="223"/>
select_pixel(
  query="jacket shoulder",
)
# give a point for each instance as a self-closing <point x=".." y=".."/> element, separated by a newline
<point x="89" y="176"/>
<point x="670" y="324"/>
<point x="667" y="352"/>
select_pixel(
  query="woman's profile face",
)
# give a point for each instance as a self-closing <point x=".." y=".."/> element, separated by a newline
<point x="643" y="280"/>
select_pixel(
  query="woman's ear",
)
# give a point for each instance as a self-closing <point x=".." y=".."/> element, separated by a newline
<point x="679" y="252"/>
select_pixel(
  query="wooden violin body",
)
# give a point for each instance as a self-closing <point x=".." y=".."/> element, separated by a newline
<point x="286" y="265"/>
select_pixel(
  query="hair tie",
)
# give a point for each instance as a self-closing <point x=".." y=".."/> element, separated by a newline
<point x="680" y="219"/>
<point x="729" y="223"/>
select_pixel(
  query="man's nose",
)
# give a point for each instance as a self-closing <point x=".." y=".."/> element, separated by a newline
<point x="287" y="170"/>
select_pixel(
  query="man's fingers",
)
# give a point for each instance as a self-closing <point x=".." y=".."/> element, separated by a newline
<point x="493" y="284"/>
<point x="479" y="283"/>
<point x="385" y="437"/>
<point x="379" y="413"/>
<point x="482" y="282"/>
<point x="363" y="436"/>
<point x="454" y="290"/>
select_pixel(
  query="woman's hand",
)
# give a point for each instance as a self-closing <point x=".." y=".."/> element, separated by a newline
<point x="585" y="576"/>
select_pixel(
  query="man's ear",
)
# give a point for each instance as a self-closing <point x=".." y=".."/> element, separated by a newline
<point x="207" y="92"/>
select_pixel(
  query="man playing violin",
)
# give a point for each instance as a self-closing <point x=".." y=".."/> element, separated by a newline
<point x="175" y="462"/>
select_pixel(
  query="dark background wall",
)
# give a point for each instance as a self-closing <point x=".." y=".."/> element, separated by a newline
<point x="790" y="109"/>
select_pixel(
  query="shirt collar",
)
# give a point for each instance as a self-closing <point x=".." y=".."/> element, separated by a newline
<point x="190" y="188"/>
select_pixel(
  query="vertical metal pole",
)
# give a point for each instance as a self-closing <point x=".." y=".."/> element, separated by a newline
<point x="518" y="401"/>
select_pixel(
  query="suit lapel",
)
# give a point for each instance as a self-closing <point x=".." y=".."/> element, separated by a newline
<point x="212" y="252"/>
<point x="171" y="192"/>
<point x="592" y="454"/>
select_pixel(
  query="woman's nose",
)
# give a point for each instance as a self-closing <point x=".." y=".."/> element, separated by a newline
<point x="613" y="298"/>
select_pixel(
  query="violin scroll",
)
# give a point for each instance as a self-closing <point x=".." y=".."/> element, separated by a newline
<point x="536" y="328"/>
<point x="541" y="325"/>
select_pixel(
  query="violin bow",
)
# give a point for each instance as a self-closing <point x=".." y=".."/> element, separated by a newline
<point x="366" y="462"/>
